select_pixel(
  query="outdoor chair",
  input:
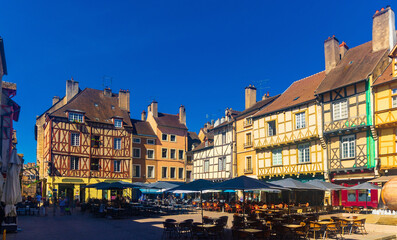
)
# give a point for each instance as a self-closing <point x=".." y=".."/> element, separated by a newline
<point x="345" y="226"/>
<point x="356" y="210"/>
<point x="185" y="229"/>
<point x="228" y="208"/>
<point x="197" y="232"/>
<point x="359" y="226"/>
<point x="302" y="232"/>
<point x="215" y="207"/>
<point x="333" y="229"/>
<point x="215" y="232"/>
<point x="170" y="231"/>
<point x="169" y="220"/>
<point x="314" y="229"/>
<point x="224" y="220"/>
<point x="348" y="209"/>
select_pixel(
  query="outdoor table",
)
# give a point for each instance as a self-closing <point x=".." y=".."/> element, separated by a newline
<point x="250" y="230"/>
<point x="324" y="226"/>
<point x="292" y="226"/>
<point x="206" y="226"/>
<point x="351" y="221"/>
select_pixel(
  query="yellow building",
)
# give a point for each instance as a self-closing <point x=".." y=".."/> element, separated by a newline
<point x="385" y="99"/>
<point x="245" y="152"/>
<point x="288" y="134"/>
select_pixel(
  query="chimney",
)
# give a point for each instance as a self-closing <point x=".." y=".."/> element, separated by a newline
<point x="331" y="53"/>
<point x="153" y="108"/>
<point x="143" y="115"/>
<point x="383" y="30"/>
<point x="55" y="99"/>
<point x="107" y="92"/>
<point x="266" y="96"/>
<point x="342" y="50"/>
<point x="72" y="88"/>
<point x="182" y="115"/>
<point x="250" y="96"/>
<point x="124" y="100"/>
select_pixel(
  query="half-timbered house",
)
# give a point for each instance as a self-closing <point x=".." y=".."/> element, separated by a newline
<point x="346" y="100"/>
<point x="288" y="134"/>
<point x="245" y="152"/>
<point x="84" y="138"/>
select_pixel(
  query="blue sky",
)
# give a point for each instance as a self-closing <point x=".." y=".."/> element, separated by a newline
<point x="197" y="53"/>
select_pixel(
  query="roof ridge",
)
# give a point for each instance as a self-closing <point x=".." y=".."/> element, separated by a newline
<point x="307" y="77"/>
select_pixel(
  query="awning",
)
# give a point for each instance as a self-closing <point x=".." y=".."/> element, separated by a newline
<point x="383" y="179"/>
<point x="357" y="176"/>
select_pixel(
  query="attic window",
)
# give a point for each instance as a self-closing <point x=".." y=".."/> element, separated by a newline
<point x="96" y="104"/>
<point x="76" y="117"/>
<point x="296" y="98"/>
<point x="118" y="123"/>
<point x="112" y="107"/>
<point x="350" y="62"/>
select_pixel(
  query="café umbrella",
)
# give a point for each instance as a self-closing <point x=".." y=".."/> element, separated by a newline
<point x="327" y="186"/>
<point x="12" y="188"/>
<point x="195" y="186"/>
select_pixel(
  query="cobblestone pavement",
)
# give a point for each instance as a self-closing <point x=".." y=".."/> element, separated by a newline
<point x="85" y="226"/>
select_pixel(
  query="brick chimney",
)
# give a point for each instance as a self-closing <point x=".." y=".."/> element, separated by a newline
<point x="250" y="96"/>
<point x="182" y="114"/>
<point x="383" y="30"/>
<point x="143" y="115"/>
<point x="55" y="99"/>
<point x="153" y="108"/>
<point x="72" y="88"/>
<point x="342" y="49"/>
<point x="124" y="100"/>
<point x="331" y="53"/>
<point x="107" y="92"/>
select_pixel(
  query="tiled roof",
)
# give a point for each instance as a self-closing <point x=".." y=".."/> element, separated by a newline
<point x="299" y="92"/>
<point x="169" y="120"/>
<point x="142" y="128"/>
<point x="357" y="64"/>
<point x="96" y="106"/>
<point x="386" y="76"/>
<point x="202" y="146"/>
<point x="9" y="85"/>
<point x="256" y="107"/>
<point x="192" y="139"/>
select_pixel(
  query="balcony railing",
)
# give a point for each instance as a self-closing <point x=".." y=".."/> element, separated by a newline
<point x="249" y="170"/>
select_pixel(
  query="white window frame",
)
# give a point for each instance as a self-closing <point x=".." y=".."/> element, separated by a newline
<point x="117" y="143"/>
<point x="166" y="138"/>
<point x="180" y="177"/>
<point x="206" y="166"/>
<point x="175" y="157"/>
<point x="74" y="139"/>
<point x="271" y="131"/>
<point x="277" y="157"/>
<point x="166" y="153"/>
<point x="118" y="123"/>
<point x="394" y="97"/>
<point x="147" y="153"/>
<point x="171" y="172"/>
<point x="338" y="113"/>
<point x="116" y="165"/>
<point x="76" y="117"/>
<point x="136" y="140"/>
<point x="348" y="146"/>
<point x="134" y="170"/>
<point x="300" y="120"/>
<point x="304" y="153"/>
<point x="224" y="138"/>
<point x="172" y="135"/>
<point x="166" y="172"/>
<point x="149" y="141"/>
<point x="220" y="164"/>
<point x="133" y="149"/>
<point x="73" y="165"/>
<point x="147" y="171"/>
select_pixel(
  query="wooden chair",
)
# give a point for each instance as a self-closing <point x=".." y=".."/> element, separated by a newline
<point x="333" y="229"/>
<point x="359" y="226"/>
<point x="228" y="208"/>
<point x="239" y="209"/>
<point x="314" y="228"/>
<point x="215" y="207"/>
<point x="356" y="210"/>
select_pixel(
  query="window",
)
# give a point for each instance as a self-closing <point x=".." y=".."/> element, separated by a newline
<point x="164" y="137"/>
<point x="136" y="171"/>
<point x="150" y="171"/>
<point x="75" y="139"/>
<point x="188" y="174"/>
<point x="95" y="141"/>
<point x="94" y="165"/>
<point x="150" y="154"/>
<point x="172" y="172"/>
<point x="136" y="152"/>
<point x="136" y="140"/>
<point x="173" y="154"/>
<point x="172" y="138"/>
<point x="351" y="196"/>
<point x="222" y="164"/>
<point x="180" y="173"/>
<point x="277" y="157"/>
<point x="304" y="153"/>
<point x="394" y="96"/>
<point x="116" y="166"/>
<point x="164" y="172"/>
<point x="248" y="161"/>
<point x="363" y="196"/>
<point x="75" y="117"/>
<point x="300" y="120"/>
<point x="206" y="166"/>
<point x="223" y="137"/>
<point x="340" y="110"/>
<point x="117" y="143"/>
<point x="74" y="163"/>
<point x="151" y="141"/>
<point x="248" y="121"/>
<point x="180" y="154"/>
<point x="348" y="146"/>
<point x="118" y="123"/>
<point x="271" y="126"/>
<point x="164" y="153"/>
<point x="248" y="141"/>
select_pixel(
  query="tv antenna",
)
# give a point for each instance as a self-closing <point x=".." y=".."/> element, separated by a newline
<point x="262" y="87"/>
<point x="107" y="81"/>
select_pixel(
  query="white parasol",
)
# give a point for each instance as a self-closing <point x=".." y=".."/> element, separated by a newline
<point x="12" y="188"/>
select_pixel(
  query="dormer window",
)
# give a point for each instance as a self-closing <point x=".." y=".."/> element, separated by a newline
<point x="118" y="123"/>
<point x="76" y="117"/>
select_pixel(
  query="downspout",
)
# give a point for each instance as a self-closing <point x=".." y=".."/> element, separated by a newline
<point x="234" y="149"/>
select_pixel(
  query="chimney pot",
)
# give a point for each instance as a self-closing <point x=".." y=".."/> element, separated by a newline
<point x="55" y="99"/>
<point x="250" y="96"/>
<point x="143" y="115"/>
